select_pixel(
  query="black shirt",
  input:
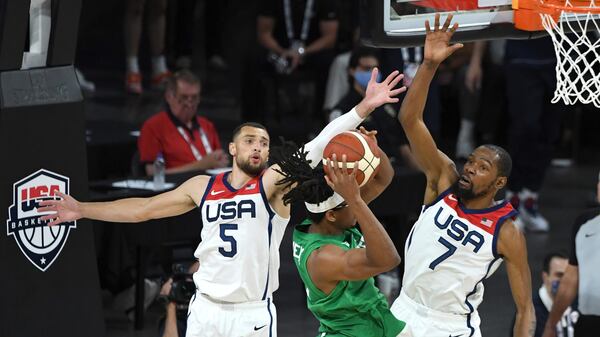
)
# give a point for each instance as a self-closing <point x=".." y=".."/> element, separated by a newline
<point x="323" y="10"/>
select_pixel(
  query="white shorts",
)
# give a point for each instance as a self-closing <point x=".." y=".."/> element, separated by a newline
<point x="212" y="318"/>
<point x="422" y="321"/>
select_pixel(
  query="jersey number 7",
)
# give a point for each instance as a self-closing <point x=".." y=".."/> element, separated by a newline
<point x="451" y="250"/>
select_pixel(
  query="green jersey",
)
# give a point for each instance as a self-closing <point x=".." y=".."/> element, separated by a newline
<point x="353" y="308"/>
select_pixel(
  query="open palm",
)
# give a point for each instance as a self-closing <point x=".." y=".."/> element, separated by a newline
<point x="65" y="210"/>
<point x="437" y="41"/>
<point x="378" y="94"/>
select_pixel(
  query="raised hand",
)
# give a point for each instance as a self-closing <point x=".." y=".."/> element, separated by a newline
<point x="64" y="210"/>
<point x="437" y="41"/>
<point x="378" y="94"/>
<point x="340" y="180"/>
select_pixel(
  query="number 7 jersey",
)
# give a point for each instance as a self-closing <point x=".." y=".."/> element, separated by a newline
<point x="450" y="251"/>
<point x="241" y="234"/>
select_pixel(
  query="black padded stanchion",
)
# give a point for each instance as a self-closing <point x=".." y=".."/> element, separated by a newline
<point x="49" y="280"/>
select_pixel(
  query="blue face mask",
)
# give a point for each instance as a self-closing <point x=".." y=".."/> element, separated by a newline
<point x="363" y="77"/>
<point x="555" y="285"/>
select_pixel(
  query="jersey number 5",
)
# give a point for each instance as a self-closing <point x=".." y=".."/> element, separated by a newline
<point x="228" y="238"/>
<point x="451" y="250"/>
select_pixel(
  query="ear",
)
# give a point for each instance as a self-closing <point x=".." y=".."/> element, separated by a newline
<point x="544" y="276"/>
<point x="330" y="216"/>
<point x="169" y="96"/>
<point x="501" y="182"/>
<point x="351" y="72"/>
<point x="232" y="149"/>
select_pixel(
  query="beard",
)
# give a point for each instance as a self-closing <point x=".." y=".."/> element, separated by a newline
<point x="249" y="168"/>
<point x="466" y="194"/>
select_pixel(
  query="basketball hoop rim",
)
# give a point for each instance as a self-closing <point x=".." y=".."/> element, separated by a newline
<point x="551" y="7"/>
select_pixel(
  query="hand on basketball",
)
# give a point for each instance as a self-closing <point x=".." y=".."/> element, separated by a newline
<point x="378" y="94"/>
<point x="342" y="181"/>
<point x="369" y="134"/>
<point x="65" y="210"/>
<point x="437" y="42"/>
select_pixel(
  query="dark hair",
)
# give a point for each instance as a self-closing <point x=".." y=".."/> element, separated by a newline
<point x="183" y="75"/>
<point x="504" y="162"/>
<point x="548" y="258"/>
<point x="360" y="52"/>
<point x="357" y="54"/>
<point x="238" y="129"/>
<point x="310" y="183"/>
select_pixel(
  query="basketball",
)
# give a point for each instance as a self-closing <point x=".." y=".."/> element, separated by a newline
<point x="358" y="149"/>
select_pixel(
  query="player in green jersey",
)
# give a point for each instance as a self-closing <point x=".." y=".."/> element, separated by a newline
<point x="334" y="259"/>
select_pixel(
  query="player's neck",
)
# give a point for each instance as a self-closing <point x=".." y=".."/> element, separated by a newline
<point x="478" y="203"/>
<point x="324" y="228"/>
<point x="238" y="178"/>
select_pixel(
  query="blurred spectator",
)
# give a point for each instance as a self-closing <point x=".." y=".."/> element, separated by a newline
<point x="156" y="16"/>
<point x="554" y="266"/>
<point x="534" y="124"/>
<point x="390" y="136"/>
<point x="287" y="30"/>
<point x="407" y="60"/>
<point x="582" y="277"/>
<point x="470" y="90"/>
<point x="299" y="36"/>
<point x="186" y="141"/>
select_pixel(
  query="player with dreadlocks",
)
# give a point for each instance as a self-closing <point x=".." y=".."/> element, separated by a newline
<point x="335" y="261"/>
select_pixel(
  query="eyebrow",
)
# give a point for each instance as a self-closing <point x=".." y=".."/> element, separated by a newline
<point x="255" y="136"/>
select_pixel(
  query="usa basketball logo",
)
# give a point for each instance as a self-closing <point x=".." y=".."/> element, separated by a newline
<point x="40" y="243"/>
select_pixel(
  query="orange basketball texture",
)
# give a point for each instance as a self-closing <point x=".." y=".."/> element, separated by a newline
<point x="357" y="148"/>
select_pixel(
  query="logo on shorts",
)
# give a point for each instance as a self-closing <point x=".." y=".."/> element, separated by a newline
<point x="40" y="243"/>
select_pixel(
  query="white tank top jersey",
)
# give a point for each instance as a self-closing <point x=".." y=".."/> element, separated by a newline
<point x="450" y="251"/>
<point x="241" y="234"/>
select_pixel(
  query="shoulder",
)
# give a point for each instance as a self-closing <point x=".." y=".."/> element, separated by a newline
<point x="157" y="120"/>
<point x="511" y="239"/>
<point x="586" y="216"/>
<point x="203" y="121"/>
<point x="326" y="253"/>
<point x="196" y="187"/>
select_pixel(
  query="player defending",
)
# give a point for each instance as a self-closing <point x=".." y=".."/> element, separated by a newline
<point x="334" y="261"/>
<point x="461" y="236"/>
<point x="243" y="218"/>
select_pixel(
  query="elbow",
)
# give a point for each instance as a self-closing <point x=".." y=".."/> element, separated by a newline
<point x="393" y="262"/>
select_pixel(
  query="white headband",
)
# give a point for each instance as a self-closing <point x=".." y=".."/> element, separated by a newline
<point x="325" y="205"/>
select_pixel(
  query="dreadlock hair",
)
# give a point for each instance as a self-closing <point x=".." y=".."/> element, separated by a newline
<point x="310" y="183"/>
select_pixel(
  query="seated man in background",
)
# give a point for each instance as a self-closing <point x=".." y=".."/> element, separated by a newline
<point x="186" y="141"/>
<point x="554" y="267"/>
<point x="390" y="136"/>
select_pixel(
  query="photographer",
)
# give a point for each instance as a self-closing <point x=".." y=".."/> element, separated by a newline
<point x="176" y="293"/>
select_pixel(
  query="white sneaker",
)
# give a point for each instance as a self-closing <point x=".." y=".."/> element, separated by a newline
<point x="533" y="220"/>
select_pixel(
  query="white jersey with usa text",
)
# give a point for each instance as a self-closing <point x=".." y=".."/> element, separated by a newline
<point x="241" y="234"/>
<point x="450" y="251"/>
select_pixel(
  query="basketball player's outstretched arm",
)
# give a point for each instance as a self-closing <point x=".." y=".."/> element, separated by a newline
<point x="178" y="201"/>
<point x="512" y="246"/>
<point x="439" y="169"/>
<point x="377" y="94"/>
<point x="331" y="263"/>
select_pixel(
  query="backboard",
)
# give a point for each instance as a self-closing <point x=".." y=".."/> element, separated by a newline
<point x="400" y="23"/>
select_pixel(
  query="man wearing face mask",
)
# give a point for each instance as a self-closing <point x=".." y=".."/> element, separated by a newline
<point x="390" y="135"/>
<point x="554" y="267"/>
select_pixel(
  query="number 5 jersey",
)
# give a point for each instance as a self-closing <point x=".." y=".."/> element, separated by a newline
<point x="241" y="234"/>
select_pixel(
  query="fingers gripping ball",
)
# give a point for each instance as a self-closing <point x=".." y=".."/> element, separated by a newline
<point x="358" y="149"/>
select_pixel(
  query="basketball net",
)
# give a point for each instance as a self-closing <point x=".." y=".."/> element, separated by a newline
<point x="576" y="38"/>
